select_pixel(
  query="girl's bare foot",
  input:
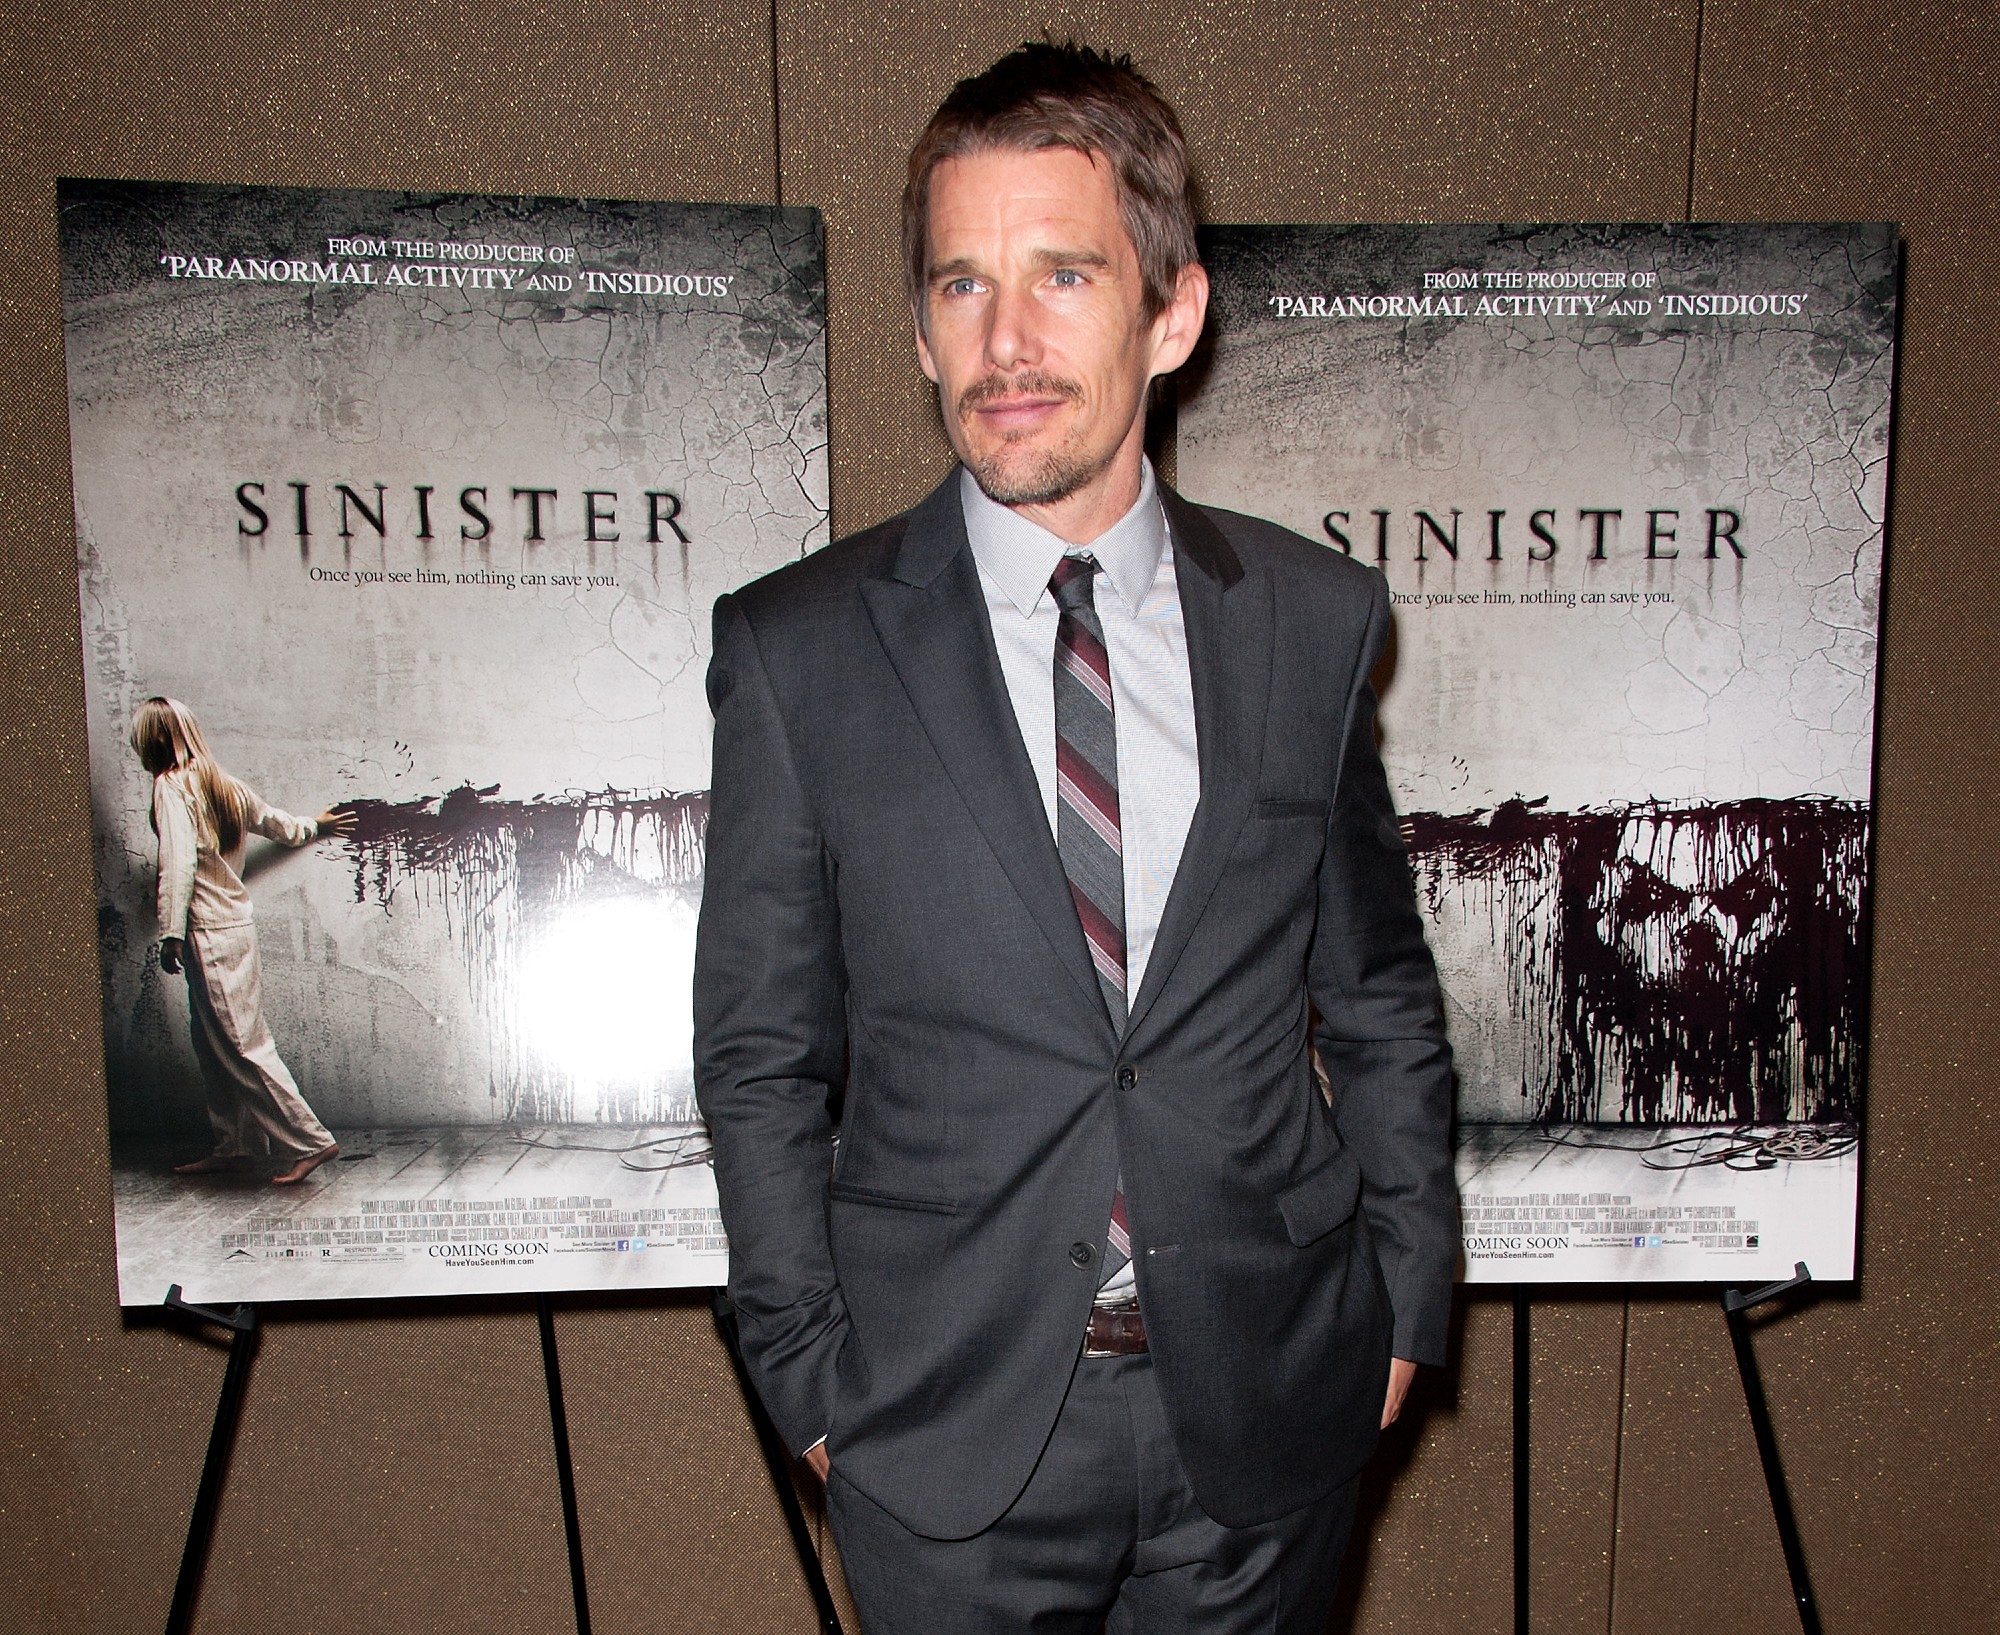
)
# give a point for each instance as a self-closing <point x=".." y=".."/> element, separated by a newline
<point x="303" y="1167"/>
<point x="216" y="1163"/>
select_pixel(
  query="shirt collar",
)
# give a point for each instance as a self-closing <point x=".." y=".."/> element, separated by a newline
<point x="1019" y="555"/>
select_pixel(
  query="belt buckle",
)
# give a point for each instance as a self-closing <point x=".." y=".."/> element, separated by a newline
<point x="1114" y="1331"/>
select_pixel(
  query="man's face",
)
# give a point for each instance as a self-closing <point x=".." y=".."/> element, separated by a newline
<point x="1034" y="328"/>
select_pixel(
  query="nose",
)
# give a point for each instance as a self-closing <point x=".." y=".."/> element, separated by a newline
<point x="1013" y="334"/>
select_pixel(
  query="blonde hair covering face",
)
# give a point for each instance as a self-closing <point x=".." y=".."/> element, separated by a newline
<point x="167" y="739"/>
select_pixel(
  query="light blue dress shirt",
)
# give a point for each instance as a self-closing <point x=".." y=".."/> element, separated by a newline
<point x="1138" y="602"/>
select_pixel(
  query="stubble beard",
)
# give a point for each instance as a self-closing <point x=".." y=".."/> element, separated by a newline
<point x="1035" y="476"/>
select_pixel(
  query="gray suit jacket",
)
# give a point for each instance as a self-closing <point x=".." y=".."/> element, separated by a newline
<point x="887" y="937"/>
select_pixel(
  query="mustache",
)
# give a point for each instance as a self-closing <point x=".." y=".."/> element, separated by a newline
<point x="1035" y="382"/>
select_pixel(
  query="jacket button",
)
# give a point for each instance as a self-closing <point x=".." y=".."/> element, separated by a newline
<point x="1128" y="1075"/>
<point x="1081" y="1255"/>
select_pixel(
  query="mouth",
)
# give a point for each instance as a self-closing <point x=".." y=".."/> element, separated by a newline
<point x="1016" y="407"/>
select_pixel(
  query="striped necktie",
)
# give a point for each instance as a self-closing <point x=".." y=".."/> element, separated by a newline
<point x="1087" y="830"/>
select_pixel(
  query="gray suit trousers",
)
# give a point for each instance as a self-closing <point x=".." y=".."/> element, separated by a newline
<point x="1106" y="1536"/>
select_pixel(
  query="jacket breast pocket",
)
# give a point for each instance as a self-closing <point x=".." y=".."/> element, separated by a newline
<point x="1286" y="807"/>
<point x="847" y="1193"/>
<point x="1321" y="1199"/>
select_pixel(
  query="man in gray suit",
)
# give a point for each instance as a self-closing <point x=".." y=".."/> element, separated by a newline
<point x="1045" y="818"/>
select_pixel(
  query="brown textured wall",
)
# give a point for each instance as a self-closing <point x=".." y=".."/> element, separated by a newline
<point x="394" y="1467"/>
<point x="1884" y="1403"/>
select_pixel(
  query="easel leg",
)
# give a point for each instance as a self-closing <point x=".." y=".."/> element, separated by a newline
<point x="1734" y="1304"/>
<point x="779" y="1463"/>
<point x="242" y="1324"/>
<point x="1521" y="1467"/>
<point x="565" y="1471"/>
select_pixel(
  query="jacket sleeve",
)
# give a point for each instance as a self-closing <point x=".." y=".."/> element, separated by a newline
<point x="173" y="822"/>
<point x="1381" y="1028"/>
<point x="770" y="1039"/>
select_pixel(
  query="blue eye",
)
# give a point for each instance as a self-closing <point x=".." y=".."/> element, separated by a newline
<point x="1067" y="278"/>
<point x="961" y="286"/>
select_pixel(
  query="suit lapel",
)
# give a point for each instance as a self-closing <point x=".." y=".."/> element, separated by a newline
<point x="1229" y="639"/>
<point x="930" y="616"/>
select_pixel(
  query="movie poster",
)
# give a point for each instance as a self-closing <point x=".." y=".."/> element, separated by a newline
<point x="407" y="511"/>
<point x="1627" y="487"/>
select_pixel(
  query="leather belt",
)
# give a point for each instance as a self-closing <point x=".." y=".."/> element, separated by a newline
<point x="1114" y="1331"/>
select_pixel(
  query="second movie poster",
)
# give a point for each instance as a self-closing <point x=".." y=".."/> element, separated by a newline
<point x="1627" y="485"/>
<point x="399" y="519"/>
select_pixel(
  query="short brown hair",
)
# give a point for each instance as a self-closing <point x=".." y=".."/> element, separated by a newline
<point x="1066" y="96"/>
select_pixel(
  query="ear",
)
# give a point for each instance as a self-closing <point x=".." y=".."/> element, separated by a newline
<point x="924" y="360"/>
<point x="1178" y="327"/>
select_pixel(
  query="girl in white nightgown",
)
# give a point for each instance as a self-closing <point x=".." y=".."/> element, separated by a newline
<point x="201" y="815"/>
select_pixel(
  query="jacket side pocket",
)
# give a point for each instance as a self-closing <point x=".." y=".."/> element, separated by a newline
<point x="846" y="1192"/>
<point x="1322" y="1199"/>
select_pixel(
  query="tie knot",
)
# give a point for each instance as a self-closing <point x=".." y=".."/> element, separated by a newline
<point x="1071" y="583"/>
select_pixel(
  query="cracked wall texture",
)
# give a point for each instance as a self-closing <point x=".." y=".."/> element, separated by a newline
<point x="1757" y="679"/>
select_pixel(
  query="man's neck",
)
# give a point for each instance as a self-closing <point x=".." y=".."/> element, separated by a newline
<point x="1082" y="516"/>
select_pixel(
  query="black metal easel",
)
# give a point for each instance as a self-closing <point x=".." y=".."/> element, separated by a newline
<point x="779" y="1463"/>
<point x="565" y="1472"/>
<point x="242" y="1326"/>
<point x="1735" y="1302"/>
